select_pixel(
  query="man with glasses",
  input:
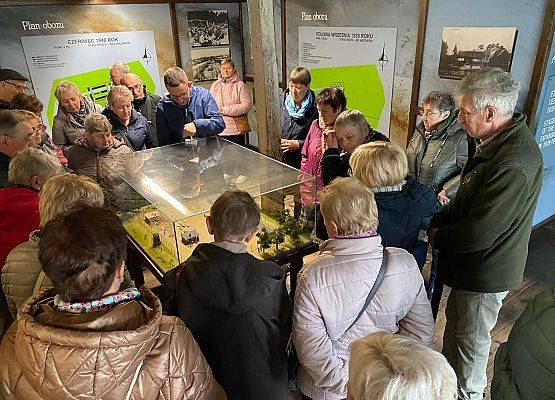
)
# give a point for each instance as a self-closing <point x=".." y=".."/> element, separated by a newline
<point x="186" y="111"/>
<point x="16" y="134"/>
<point x="143" y="102"/>
<point x="11" y="83"/>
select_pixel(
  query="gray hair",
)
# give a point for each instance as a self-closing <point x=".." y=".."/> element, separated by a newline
<point x="95" y="122"/>
<point x="119" y="92"/>
<point x="65" y="86"/>
<point x="121" y="67"/>
<point x="354" y="119"/>
<point x="175" y="76"/>
<point x="490" y="87"/>
<point x="10" y="119"/>
<point x="31" y="162"/>
<point x="131" y="75"/>
<point x="441" y="101"/>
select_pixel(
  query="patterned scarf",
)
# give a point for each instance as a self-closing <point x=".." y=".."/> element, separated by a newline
<point x="95" y="305"/>
<point x="305" y="105"/>
<point x="79" y="117"/>
<point x="393" y="188"/>
<point x="360" y="235"/>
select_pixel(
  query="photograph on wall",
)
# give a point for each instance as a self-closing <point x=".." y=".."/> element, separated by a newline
<point x="52" y="58"/>
<point x="360" y="61"/>
<point x="208" y="28"/>
<point x="467" y="49"/>
<point x="206" y="63"/>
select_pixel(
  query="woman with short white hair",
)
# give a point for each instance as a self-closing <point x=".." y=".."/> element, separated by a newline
<point x="392" y="367"/>
<point x="127" y="123"/>
<point x="353" y="288"/>
<point x="404" y="205"/>
<point x="69" y="122"/>
<point x="19" y="204"/>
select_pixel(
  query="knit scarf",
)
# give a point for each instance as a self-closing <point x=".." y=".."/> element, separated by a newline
<point x="82" y="113"/>
<point x="95" y="305"/>
<point x="305" y="105"/>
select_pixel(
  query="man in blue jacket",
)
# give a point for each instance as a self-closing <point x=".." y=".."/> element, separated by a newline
<point x="186" y="110"/>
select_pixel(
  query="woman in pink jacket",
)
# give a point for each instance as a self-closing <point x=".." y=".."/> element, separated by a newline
<point x="233" y="99"/>
<point x="330" y="102"/>
<point x="330" y="308"/>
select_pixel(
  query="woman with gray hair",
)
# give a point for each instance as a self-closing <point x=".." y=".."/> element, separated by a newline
<point x="437" y="153"/>
<point x="69" y="122"/>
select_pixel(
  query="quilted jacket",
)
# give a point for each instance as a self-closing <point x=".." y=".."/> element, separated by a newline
<point x="22" y="274"/>
<point x="102" y="355"/>
<point x="233" y="99"/>
<point x="331" y="292"/>
<point x="65" y="129"/>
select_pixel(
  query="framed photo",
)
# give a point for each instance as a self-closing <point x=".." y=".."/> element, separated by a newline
<point x="206" y="63"/>
<point x="467" y="49"/>
<point x="208" y="28"/>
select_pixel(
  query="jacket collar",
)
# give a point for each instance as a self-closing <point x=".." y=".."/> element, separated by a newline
<point x="446" y="128"/>
<point x="232" y="79"/>
<point x="489" y="150"/>
<point x="344" y="247"/>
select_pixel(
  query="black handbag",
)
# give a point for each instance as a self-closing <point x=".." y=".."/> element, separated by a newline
<point x="292" y="359"/>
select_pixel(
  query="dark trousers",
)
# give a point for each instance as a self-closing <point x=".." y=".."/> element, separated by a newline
<point x="434" y="289"/>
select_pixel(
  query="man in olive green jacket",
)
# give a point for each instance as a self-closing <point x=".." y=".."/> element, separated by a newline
<point x="482" y="235"/>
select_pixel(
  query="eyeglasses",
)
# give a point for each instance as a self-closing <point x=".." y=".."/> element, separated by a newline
<point x="40" y="128"/>
<point x="136" y="87"/>
<point x="20" y="88"/>
<point x="424" y="113"/>
<point x="464" y="113"/>
<point x="181" y="96"/>
<point x="121" y="108"/>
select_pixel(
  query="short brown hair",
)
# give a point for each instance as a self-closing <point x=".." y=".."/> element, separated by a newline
<point x="81" y="251"/>
<point x="175" y="76"/>
<point x="234" y="214"/>
<point x="350" y="205"/>
<point x="333" y="97"/>
<point x="95" y="122"/>
<point x="9" y="119"/>
<point x="28" y="102"/>
<point x="228" y="61"/>
<point x="300" y="76"/>
<point x="379" y="164"/>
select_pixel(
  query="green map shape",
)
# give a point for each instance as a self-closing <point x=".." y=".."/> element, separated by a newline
<point x="98" y="79"/>
<point x="361" y="84"/>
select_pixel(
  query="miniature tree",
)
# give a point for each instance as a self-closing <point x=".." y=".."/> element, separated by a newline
<point x="280" y="216"/>
<point x="278" y="237"/>
<point x="264" y="240"/>
<point x="292" y="227"/>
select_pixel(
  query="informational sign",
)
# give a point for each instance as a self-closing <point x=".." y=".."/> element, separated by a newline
<point x="360" y="61"/>
<point x="545" y="135"/>
<point x="85" y="60"/>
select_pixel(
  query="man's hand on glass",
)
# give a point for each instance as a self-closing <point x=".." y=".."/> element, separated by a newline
<point x="189" y="130"/>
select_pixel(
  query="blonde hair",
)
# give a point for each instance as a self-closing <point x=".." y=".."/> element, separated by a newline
<point x="350" y="205"/>
<point x="119" y="92"/>
<point x="66" y="192"/>
<point x="354" y="119"/>
<point x="379" y="164"/>
<point x="31" y="162"/>
<point x="65" y="86"/>
<point x="96" y="122"/>
<point x="384" y="366"/>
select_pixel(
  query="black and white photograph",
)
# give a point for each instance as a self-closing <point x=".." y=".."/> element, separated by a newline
<point x="208" y="28"/>
<point x="206" y="63"/>
<point x="467" y="49"/>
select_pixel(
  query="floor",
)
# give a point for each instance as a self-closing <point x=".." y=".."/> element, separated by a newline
<point x="539" y="274"/>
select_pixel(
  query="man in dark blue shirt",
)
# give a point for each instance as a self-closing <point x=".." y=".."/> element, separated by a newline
<point x="186" y="110"/>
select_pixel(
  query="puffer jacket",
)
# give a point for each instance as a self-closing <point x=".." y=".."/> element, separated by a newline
<point x="22" y="274"/>
<point x="524" y="366"/>
<point x="233" y="99"/>
<point x="136" y="134"/>
<point x="105" y="167"/>
<point x="437" y="162"/>
<point x="331" y="292"/>
<point x="147" y="107"/>
<point x="311" y="163"/>
<point x="65" y="129"/>
<point x="102" y="355"/>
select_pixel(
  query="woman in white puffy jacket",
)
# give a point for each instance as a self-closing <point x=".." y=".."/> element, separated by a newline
<point x="332" y="290"/>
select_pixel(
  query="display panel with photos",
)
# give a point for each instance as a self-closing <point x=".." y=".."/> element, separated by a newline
<point x="179" y="183"/>
<point x="208" y="28"/>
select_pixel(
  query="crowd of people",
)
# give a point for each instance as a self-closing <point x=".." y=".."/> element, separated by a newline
<point x="362" y="318"/>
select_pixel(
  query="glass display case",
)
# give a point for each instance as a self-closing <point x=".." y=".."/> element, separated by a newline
<point x="178" y="184"/>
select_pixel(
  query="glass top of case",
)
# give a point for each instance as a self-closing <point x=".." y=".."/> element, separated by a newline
<point x="184" y="179"/>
